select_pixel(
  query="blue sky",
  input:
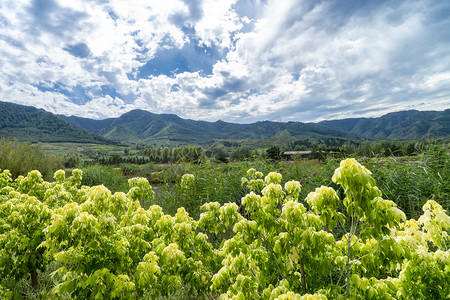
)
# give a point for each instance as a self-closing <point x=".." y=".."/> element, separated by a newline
<point x="234" y="60"/>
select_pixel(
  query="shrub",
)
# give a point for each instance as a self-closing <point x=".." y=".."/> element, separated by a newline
<point x="20" y="158"/>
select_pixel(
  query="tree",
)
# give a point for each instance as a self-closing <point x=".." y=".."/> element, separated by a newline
<point x="273" y="153"/>
<point x="241" y="153"/>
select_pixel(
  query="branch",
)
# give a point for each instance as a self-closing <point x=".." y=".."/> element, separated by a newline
<point x="273" y="256"/>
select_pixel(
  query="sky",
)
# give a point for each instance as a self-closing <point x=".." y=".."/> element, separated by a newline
<point x="239" y="61"/>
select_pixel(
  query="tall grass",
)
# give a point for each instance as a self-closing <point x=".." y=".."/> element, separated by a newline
<point x="213" y="183"/>
<point x="222" y="182"/>
<point x="110" y="177"/>
<point x="410" y="183"/>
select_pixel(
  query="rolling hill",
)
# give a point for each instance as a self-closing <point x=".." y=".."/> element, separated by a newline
<point x="411" y="124"/>
<point x="29" y="124"/>
<point x="143" y="126"/>
<point x="138" y="126"/>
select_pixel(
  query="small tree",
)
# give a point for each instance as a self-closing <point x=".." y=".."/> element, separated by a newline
<point x="241" y="153"/>
<point x="273" y="153"/>
<point x="23" y="219"/>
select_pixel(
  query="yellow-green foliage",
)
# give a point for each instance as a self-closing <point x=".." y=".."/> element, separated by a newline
<point x="274" y="246"/>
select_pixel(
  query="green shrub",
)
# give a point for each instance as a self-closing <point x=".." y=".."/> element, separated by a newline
<point x="20" y="158"/>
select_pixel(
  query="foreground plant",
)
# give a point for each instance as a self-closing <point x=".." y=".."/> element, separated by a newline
<point x="22" y="221"/>
<point x="335" y="244"/>
<point x="283" y="247"/>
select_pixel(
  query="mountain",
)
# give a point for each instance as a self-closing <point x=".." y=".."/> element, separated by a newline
<point x="30" y="124"/>
<point x="143" y="126"/>
<point x="138" y="126"/>
<point x="411" y="124"/>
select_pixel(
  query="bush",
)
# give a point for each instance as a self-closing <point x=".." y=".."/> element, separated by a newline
<point x="21" y="158"/>
<point x="273" y="152"/>
<point x="242" y="153"/>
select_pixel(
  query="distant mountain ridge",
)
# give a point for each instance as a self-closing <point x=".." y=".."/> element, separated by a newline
<point x="29" y="124"/>
<point x="143" y="126"/>
<point x="411" y="124"/>
<point x="138" y="126"/>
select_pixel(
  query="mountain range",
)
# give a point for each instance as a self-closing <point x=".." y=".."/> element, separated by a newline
<point x="143" y="126"/>
<point x="139" y="126"/>
<point x="411" y="124"/>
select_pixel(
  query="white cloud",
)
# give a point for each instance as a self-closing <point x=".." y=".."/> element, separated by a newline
<point x="354" y="62"/>
<point x="436" y="81"/>
<point x="218" y="23"/>
<point x="302" y="60"/>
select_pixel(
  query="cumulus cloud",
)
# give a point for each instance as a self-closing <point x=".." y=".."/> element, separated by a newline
<point x="235" y="60"/>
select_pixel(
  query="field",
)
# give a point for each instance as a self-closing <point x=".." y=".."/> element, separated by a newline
<point x="254" y="229"/>
<point x="83" y="149"/>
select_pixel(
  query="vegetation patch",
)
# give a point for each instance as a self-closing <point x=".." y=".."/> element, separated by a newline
<point x="341" y="241"/>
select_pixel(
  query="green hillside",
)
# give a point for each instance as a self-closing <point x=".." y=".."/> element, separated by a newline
<point x="143" y="126"/>
<point x="138" y="126"/>
<point x="410" y="124"/>
<point x="29" y="124"/>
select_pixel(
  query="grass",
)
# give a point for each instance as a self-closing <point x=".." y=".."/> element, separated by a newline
<point x="83" y="149"/>
<point x="408" y="181"/>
